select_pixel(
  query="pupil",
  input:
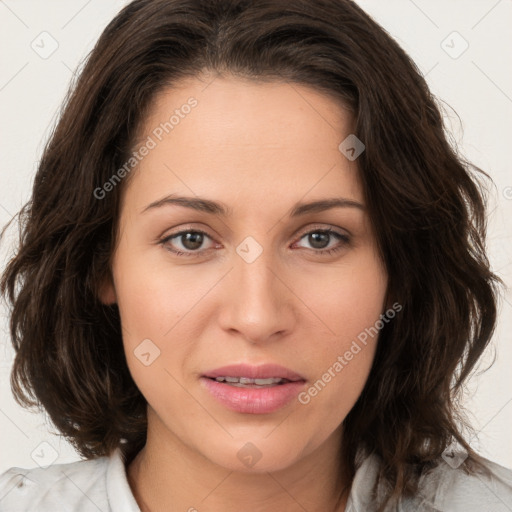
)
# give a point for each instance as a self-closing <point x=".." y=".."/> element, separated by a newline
<point x="317" y="240"/>
<point x="192" y="240"/>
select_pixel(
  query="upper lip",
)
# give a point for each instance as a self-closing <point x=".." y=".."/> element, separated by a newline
<point x="264" y="371"/>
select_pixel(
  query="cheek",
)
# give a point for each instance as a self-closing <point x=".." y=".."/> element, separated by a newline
<point x="349" y="306"/>
<point x="149" y="307"/>
<point x="345" y="299"/>
<point x="159" y="307"/>
<point x="153" y="296"/>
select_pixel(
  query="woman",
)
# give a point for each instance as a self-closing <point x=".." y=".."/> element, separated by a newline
<point x="252" y="273"/>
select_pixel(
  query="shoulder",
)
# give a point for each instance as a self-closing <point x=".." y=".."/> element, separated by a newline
<point x="81" y="486"/>
<point x="457" y="489"/>
<point x="49" y="488"/>
<point x="442" y="488"/>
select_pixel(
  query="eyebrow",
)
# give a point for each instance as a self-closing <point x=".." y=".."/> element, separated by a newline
<point x="220" y="209"/>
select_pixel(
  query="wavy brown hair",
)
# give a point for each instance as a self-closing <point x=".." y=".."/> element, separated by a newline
<point x="426" y="203"/>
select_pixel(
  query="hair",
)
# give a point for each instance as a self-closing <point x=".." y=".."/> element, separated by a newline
<point x="425" y="201"/>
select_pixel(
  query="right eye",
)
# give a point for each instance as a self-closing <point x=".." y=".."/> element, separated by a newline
<point x="191" y="240"/>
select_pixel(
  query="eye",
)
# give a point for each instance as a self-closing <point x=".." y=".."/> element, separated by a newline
<point x="190" y="240"/>
<point x="320" y="239"/>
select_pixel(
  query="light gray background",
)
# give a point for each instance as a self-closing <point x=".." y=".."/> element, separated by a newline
<point x="477" y="84"/>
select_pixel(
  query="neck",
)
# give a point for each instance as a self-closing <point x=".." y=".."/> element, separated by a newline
<point x="169" y="475"/>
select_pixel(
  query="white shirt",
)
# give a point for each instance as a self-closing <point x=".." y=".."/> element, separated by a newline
<point x="101" y="485"/>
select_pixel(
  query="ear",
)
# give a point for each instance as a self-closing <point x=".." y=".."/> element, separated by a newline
<point x="107" y="291"/>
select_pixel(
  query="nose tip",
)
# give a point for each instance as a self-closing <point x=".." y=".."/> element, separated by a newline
<point x="256" y="304"/>
<point x="255" y="339"/>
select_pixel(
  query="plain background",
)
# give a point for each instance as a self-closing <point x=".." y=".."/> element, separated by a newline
<point x="476" y="82"/>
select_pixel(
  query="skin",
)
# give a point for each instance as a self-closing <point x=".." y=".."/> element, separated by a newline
<point x="259" y="148"/>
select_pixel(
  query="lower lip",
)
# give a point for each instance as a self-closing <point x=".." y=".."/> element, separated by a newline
<point x="253" y="400"/>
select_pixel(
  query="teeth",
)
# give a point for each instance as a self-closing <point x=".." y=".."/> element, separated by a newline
<point x="263" y="382"/>
<point x="246" y="380"/>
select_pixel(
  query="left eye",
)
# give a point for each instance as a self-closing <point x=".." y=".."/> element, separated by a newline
<point x="192" y="240"/>
<point x="320" y="238"/>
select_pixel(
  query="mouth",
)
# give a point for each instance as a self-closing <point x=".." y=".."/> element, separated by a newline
<point x="245" y="382"/>
<point x="248" y="375"/>
<point x="253" y="389"/>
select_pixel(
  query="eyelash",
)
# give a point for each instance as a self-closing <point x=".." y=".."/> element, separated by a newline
<point x="344" y="239"/>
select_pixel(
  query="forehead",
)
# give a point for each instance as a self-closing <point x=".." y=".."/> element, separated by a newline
<point x="255" y="139"/>
<point x="272" y="114"/>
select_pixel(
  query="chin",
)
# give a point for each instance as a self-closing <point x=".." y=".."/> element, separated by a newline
<point x="253" y="457"/>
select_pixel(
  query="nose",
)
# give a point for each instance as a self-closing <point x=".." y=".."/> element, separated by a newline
<point x="258" y="303"/>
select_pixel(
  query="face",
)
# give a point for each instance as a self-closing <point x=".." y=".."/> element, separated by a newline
<point x="252" y="276"/>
